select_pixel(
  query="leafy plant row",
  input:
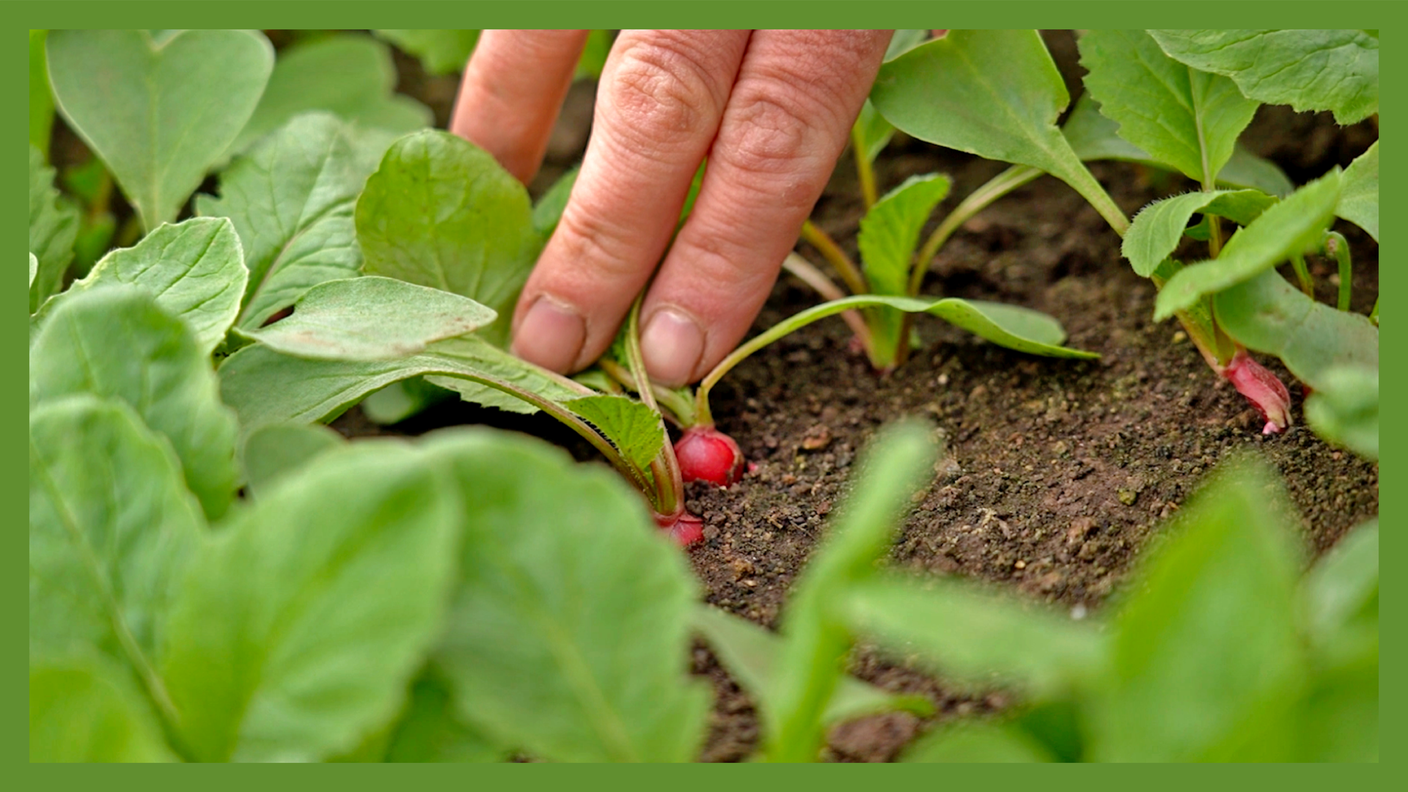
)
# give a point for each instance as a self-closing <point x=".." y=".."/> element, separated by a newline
<point x="1176" y="100"/>
<point x="463" y="597"/>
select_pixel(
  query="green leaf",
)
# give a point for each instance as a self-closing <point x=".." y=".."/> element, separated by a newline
<point x="636" y="430"/>
<point x="440" y="212"/>
<point x="993" y="93"/>
<point x="1335" y="70"/>
<point x="371" y="318"/>
<point x="350" y="75"/>
<point x="431" y="731"/>
<point x="1289" y="228"/>
<point x="816" y="638"/>
<point x="871" y="131"/>
<point x="159" y="114"/>
<point x="299" y="626"/>
<point x="1183" y="117"/>
<point x="111" y="525"/>
<point x="1340" y="598"/>
<point x="1269" y="315"/>
<point x="548" y="211"/>
<point x="41" y="99"/>
<point x="273" y="453"/>
<point x="1207" y="638"/>
<point x="1343" y="585"/>
<point x="52" y="228"/>
<point x="569" y="631"/>
<point x="751" y="654"/>
<point x="84" y="710"/>
<point x="194" y="270"/>
<point x="116" y="342"/>
<point x="439" y="51"/>
<point x="1010" y="326"/>
<point x="291" y="201"/>
<point x="975" y="637"/>
<point x="1158" y="228"/>
<point x="1344" y="409"/>
<point x="1359" y="199"/>
<point x="266" y="387"/>
<point x="983" y="741"/>
<point x="1095" y="137"/>
<point x="889" y="232"/>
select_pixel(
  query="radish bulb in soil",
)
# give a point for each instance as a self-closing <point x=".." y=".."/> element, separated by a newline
<point x="1263" y="389"/>
<point x="706" y="454"/>
<point x="683" y="527"/>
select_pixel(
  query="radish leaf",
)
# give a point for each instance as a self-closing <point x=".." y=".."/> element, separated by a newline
<point x="117" y="342"/>
<point x="568" y="636"/>
<point x="194" y="270"/>
<point x="1157" y="229"/>
<point x="440" y="212"/>
<point x="1183" y="117"/>
<point x="291" y="200"/>
<point x="1289" y="228"/>
<point x="1335" y="70"/>
<point x="102" y="563"/>
<point x="371" y="318"/>
<point x="299" y="626"/>
<point x="160" y="114"/>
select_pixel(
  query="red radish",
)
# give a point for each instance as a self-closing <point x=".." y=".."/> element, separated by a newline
<point x="685" y="528"/>
<point x="1263" y="389"/>
<point x="706" y="454"/>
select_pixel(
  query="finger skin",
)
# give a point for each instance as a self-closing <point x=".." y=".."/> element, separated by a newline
<point x="659" y="103"/>
<point x="512" y="92"/>
<point x="787" y="122"/>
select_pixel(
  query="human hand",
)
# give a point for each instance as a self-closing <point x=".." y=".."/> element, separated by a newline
<point x="771" y="109"/>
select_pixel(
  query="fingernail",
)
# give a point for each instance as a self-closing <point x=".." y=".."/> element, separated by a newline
<point x="551" y="335"/>
<point x="671" y="344"/>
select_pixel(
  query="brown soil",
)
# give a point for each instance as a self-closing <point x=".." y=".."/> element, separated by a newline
<point x="1056" y="473"/>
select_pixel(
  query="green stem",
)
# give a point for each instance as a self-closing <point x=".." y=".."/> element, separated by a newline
<point x="803" y="270"/>
<point x="837" y="257"/>
<point x="981" y="198"/>
<point x="1082" y="181"/>
<point x="1201" y="326"/>
<point x="664" y="468"/>
<point x="573" y="421"/>
<point x="1303" y="275"/>
<point x="1214" y="236"/>
<point x="1336" y="245"/>
<point x="864" y="171"/>
<point x="675" y="406"/>
<point x="789" y="325"/>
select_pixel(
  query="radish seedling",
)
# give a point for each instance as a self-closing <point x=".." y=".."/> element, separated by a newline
<point x="997" y="94"/>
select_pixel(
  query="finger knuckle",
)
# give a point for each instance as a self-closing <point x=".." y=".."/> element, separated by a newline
<point x="596" y="242"/>
<point x="717" y="258"/>
<point x="660" y="92"/>
<point x="771" y="137"/>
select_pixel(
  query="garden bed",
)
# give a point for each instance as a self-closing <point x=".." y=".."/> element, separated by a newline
<point x="1078" y="567"/>
<point x="1057" y="472"/>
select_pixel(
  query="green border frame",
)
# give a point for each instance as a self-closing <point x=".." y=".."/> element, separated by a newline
<point x="723" y="14"/>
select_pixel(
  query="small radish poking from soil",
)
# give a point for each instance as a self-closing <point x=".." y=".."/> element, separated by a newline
<point x="685" y="528"/>
<point x="706" y="454"/>
<point x="1263" y="389"/>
